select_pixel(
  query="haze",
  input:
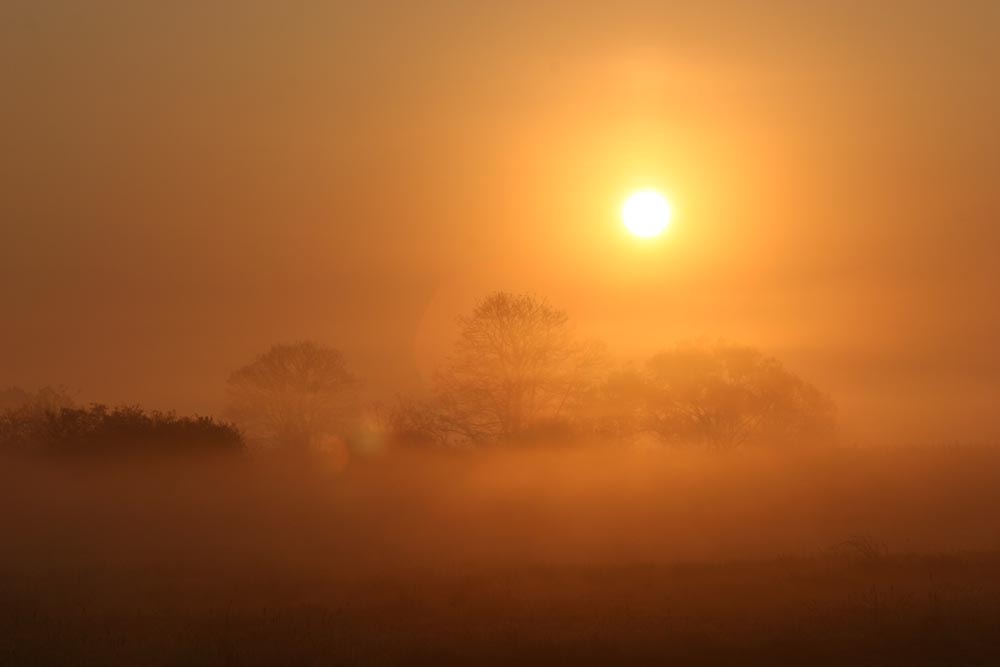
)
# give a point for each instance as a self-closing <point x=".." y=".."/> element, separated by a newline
<point x="499" y="332"/>
<point x="187" y="183"/>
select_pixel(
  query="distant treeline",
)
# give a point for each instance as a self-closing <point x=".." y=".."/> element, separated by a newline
<point x="48" y="424"/>
<point x="517" y="375"/>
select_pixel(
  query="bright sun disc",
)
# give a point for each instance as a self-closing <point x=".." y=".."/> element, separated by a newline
<point x="646" y="213"/>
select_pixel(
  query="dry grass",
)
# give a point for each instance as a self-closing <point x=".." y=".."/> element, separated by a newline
<point x="811" y="612"/>
<point x="589" y="557"/>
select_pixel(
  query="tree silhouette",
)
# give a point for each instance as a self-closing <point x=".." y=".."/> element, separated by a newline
<point x="45" y="399"/>
<point x="516" y="369"/>
<point x="722" y="396"/>
<point x="98" y="432"/>
<point x="293" y="394"/>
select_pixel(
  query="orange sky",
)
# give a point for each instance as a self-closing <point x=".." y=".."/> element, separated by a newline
<point x="184" y="184"/>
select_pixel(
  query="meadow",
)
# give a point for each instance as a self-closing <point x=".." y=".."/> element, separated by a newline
<point x="598" y="554"/>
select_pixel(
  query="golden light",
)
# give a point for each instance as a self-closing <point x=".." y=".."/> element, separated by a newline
<point x="646" y="213"/>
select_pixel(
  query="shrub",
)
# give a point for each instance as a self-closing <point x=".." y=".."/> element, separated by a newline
<point x="125" y="431"/>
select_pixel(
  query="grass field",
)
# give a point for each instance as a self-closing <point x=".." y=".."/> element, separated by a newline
<point x="532" y="559"/>
<point x="899" y="611"/>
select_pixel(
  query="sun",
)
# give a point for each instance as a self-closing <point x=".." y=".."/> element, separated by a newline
<point x="646" y="213"/>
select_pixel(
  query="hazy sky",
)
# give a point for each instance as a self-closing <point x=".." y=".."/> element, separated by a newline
<point x="185" y="183"/>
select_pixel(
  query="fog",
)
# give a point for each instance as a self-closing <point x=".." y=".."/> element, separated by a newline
<point x="186" y="185"/>
<point x="323" y="342"/>
<point x="269" y="522"/>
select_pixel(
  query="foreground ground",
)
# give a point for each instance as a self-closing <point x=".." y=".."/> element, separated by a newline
<point x="844" y="557"/>
<point x="836" y="611"/>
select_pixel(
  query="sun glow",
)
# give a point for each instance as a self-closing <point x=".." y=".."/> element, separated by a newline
<point x="646" y="213"/>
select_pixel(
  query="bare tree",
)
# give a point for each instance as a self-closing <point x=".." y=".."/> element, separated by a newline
<point x="516" y="368"/>
<point x="293" y="394"/>
<point x="46" y="399"/>
<point x="724" y="396"/>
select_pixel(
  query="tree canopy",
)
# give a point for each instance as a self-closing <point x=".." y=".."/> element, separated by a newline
<point x="293" y="394"/>
<point x="517" y="373"/>
<point x="516" y="368"/>
<point x="720" y="396"/>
